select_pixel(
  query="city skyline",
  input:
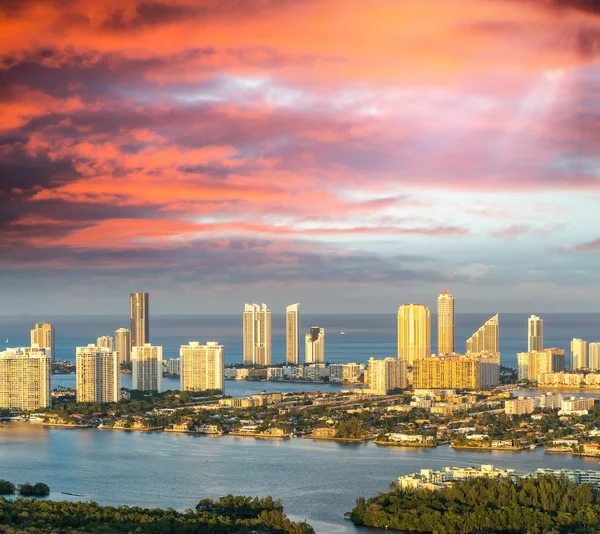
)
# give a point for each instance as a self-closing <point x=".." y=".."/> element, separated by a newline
<point x="219" y="153"/>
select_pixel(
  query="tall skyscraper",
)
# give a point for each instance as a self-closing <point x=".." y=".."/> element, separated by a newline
<point x="578" y="354"/>
<point x="201" y="366"/>
<point x="594" y="363"/>
<point x="25" y="379"/>
<point x="106" y="342"/>
<point x="531" y="364"/>
<point x="43" y="336"/>
<point x="257" y="334"/>
<point x="292" y="332"/>
<point x="445" y="309"/>
<point x="486" y="339"/>
<point x="314" y="343"/>
<point x="146" y="367"/>
<point x="123" y="344"/>
<point x="138" y="315"/>
<point x="535" y="334"/>
<point x="414" y="333"/>
<point x="387" y="374"/>
<point x="97" y="374"/>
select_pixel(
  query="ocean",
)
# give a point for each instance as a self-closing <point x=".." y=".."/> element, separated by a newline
<point x="364" y="335"/>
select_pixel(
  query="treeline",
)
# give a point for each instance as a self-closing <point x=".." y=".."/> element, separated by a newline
<point x="539" y="505"/>
<point x="230" y="514"/>
<point x="36" y="490"/>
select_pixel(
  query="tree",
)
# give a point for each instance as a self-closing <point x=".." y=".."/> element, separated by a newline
<point x="6" y="487"/>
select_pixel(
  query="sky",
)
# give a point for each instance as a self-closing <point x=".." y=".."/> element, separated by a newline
<point x="348" y="155"/>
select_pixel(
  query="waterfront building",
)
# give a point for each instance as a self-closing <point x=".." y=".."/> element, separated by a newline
<point x="43" y="336"/>
<point x="107" y="342"/>
<point x="173" y="367"/>
<point x="578" y="354"/>
<point x="445" y="315"/>
<point x="454" y="371"/>
<point x="292" y="334"/>
<point x="139" y="319"/>
<point x="386" y="375"/>
<point x="532" y="364"/>
<point x="594" y="356"/>
<point x="98" y="376"/>
<point x="146" y="365"/>
<point x="257" y="334"/>
<point x="201" y="366"/>
<point x="576" y="406"/>
<point x="486" y="339"/>
<point x="565" y="379"/>
<point x="315" y="371"/>
<point x="578" y="476"/>
<point x="519" y="406"/>
<point x="433" y="479"/>
<point x="123" y="344"/>
<point x="314" y="344"/>
<point x="551" y="401"/>
<point x="25" y="378"/>
<point x="345" y="372"/>
<point x="535" y="334"/>
<point x="414" y="333"/>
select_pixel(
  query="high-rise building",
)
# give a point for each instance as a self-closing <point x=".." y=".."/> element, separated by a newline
<point x="486" y="339"/>
<point x="594" y="363"/>
<point x="106" y="342"/>
<point x="123" y="344"/>
<point x="447" y="372"/>
<point x="146" y="367"/>
<point x="531" y="364"/>
<point x="578" y="354"/>
<point x="414" y="333"/>
<point x="139" y="319"/>
<point x="314" y="345"/>
<point x="292" y="332"/>
<point x="25" y="379"/>
<point x="201" y="366"/>
<point x="42" y="336"/>
<point x="535" y="334"/>
<point x="386" y="375"/>
<point x="97" y="374"/>
<point x="445" y="310"/>
<point x="257" y="334"/>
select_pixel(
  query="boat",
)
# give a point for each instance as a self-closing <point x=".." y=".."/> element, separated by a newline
<point x="342" y="333"/>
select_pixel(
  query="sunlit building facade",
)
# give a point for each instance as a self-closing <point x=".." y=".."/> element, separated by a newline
<point x="123" y="344"/>
<point x="98" y="377"/>
<point x="146" y="366"/>
<point x="535" y="334"/>
<point x="447" y="372"/>
<point x="42" y="335"/>
<point x="292" y="333"/>
<point x="445" y="316"/>
<point x="386" y="375"/>
<point x="578" y="354"/>
<point x="25" y="379"/>
<point x="594" y="356"/>
<point x="201" y="366"/>
<point x="257" y="334"/>
<point x="314" y="345"/>
<point x="414" y="333"/>
<point x="139" y="318"/>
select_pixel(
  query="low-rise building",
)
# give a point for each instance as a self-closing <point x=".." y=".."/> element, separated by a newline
<point x="436" y="479"/>
<point x="519" y="406"/>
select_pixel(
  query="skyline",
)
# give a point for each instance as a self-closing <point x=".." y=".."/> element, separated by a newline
<point x="356" y="154"/>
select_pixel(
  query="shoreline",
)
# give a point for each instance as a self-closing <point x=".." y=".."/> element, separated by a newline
<point x="490" y="448"/>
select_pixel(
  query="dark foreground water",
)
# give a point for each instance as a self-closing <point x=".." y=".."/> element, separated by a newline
<point x="364" y="335"/>
<point x="317" y="481"/>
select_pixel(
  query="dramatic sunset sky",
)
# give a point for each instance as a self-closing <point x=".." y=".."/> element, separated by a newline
<point x="350" y="155"/>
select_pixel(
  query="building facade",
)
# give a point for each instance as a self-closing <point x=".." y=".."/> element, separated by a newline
<point x="531" y="364"/>
<point x="139" y="319"/>
<point x="201" y="366"/>
<point x="535" y="334"/>
<point x="25" y="379"/>
<point x="445" y="310"/>
<point x="594" y="356"/>
<point x="414" y="333"/>
<point x="123" y="344"/>
<point x="314" y="344"/>
<point x="107" y="342"/>
<point x="146" y="366"/>
<point x="98" y="375"/>
<point x="386" y="375"/>
<point x="486" y="339"/>
<point x="292" y="334"/>
<point x="578" y="354"/>
<point x="447" y="372"/>
<point x="257" y="334"/>
<point x="43" y="336"/>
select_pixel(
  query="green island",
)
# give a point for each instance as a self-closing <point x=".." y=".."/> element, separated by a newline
<point x="229" y="514"/>
<point x="26" y="490"/>
<point x="535" y="505"/>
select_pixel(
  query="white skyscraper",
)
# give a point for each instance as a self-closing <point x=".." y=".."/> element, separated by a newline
<point x="97" y="374"/>
<point x="486" y="339"/>
<point x="147" y="368"/>
<point x="578" y="354"/>
<point x="385" y="375"/>
<point x="445" y="306"/>
<point x="107" y="342"/>
<point x="535" y="334"/>
<point x="315" y="345"/>
<point x="257" y="334"/>
<point x="292" y="320"/>
<point x="594" y="363"/>
<point x="43" y="336"/>
<point x="201" y="366"/>
<point x="123" y="344"/>
<point x="25" y="379"/>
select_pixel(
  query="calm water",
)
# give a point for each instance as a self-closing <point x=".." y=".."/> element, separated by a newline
<point x="318" y="481"/>
<point x="365" y="335"/>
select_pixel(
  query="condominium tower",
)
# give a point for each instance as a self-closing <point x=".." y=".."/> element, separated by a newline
<point x="42" y="336"/>
<point x="257" y="334"/>
<point x="201" y="366"/>
<point x="445" y="310"/>
<point x="123" y="344"/>
<point x="386" y="375"/>
<point x="535" y="334"/>
<point x="107" y="342"/>
<point x="314" y="345"/>
<point x="486" y="339"/>
<point x="448" y="372"/>
<point x="25" y="379"/>
<point x="414" y="333"/>
<point x="292" y="324"/>
<point x="138" y="316"/>
<point x="97" y="374"/>
<point x="531" y="364"/>
<point x="578" y="354"/>
<point x="146" y="367"/>
<point x="594" y="363"/>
